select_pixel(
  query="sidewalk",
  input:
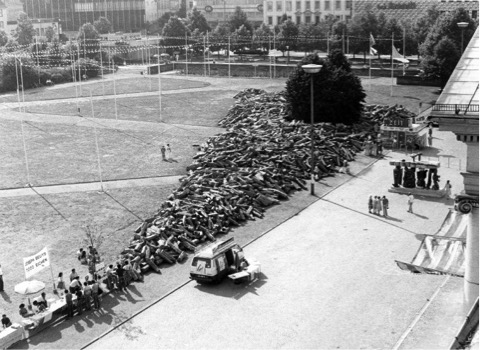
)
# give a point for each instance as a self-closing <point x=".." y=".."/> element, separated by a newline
<point x="329" y="280"/>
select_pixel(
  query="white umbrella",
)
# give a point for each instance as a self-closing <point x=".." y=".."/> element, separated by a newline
<point x="28" y="288"/>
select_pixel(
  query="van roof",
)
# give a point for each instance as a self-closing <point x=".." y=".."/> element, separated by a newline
<point x="215" y="248"/>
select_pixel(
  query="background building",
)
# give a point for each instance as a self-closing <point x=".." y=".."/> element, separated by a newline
<point x="412" y="9"/>
<point x="125" y="15"/>
<point x="3" y="15"/>
<point x="218" y="11"/>
<point x="306" y="11"/>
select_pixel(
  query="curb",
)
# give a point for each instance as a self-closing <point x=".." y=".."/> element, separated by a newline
<point x="245" y="245"/>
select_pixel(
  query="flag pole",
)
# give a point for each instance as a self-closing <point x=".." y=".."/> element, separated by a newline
<point x="53" y="277"/>
<point x="391" y="58"/>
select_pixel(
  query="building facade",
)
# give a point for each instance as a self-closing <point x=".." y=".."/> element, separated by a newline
<point x="218" y="11"/>
<point x="125" y="15"/>
<point x="412" y="9"/>
<point x="456" y="110"/>
<point x="3" y="16"/>
<point x="306" y="11"/>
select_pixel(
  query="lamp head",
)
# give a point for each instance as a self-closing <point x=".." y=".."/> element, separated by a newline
<point x="462" y="25"/>
<point x="311" y="68"/>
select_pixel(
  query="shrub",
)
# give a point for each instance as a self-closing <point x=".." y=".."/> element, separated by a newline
<point x="58" y="78"/>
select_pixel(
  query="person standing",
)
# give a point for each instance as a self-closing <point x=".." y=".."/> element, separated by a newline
<point x="60" y="283"/>
<point x="162" y="150"/>
<point x="80" y="302"/>
<point x="95" y="298"/>
<point x="448" y="189"/>
<point x="169" y="152"/>
<point x="87" y="293"/>
<point x="410" y="202"/>
<point x="69" y="301"/>
<point x="430" y="130"/>
<point x="370" y="204"/>
<point x="73" y="275"/>
<point x="1" y="279"/>
<point x="385" y="206"/>
<point x="121" y="277"/>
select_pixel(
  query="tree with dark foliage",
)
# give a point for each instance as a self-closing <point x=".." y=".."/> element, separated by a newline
<point x="338" y="92"/>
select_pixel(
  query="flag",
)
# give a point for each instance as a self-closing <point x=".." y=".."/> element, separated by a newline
<point x="372" y="42"/>
<point x="396" y="56"/>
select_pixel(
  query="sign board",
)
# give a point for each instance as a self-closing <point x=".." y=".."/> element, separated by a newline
<point x="100" y="266"/>
<point x="397" y="122"/>
<point x="36" y="263"/>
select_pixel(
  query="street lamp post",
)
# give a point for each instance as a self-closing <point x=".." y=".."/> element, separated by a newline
<point x="312" y="69"/>
<point x="462" y="26"/>
<point x="288" y="55"/>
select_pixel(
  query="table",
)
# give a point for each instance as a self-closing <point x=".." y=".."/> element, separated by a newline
<point x="11" y="335"/>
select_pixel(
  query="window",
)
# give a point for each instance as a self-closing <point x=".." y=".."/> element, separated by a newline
<point x="327" y="5"/>
<point x="289" y="18"/>
<point x="269" y="6"/>
<point x="338" y="5"/>
<point x="307" y="5"/>
<point x="279" y="6"/>
<point x="299" y="19"/>
<point x="270" y="20"/>
<point x="1" y="12"/>
<point x="348" y="5"/>
<point x="288" y="6"/>
<point x="307" y="19"/>
<point x="317" y="19"/>
<point x="298" y="6"/>
<point x="474" y="14"/>
<point x="279" y="20"/>
<point x="317" y="5"/>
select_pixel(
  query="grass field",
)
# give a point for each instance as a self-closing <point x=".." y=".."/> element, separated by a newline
<point x="180" y="108"/>
<point x="62" y="150"/>
<point x="106" y="87"/>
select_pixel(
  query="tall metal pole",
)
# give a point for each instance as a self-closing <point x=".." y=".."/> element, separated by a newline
<point x="79" y="69"/>
<point x="461" y="51"/>
<point x="96" y="143"/>
<point x="23" y="87"/>
<point x="159" y="87"/>
<point x="101" y="68"/>
<point x="312" y="147"/>
<point x="229" y="56"/>
<point x="18" y="85"/>
<point x="204" y="61"/>
<point x="391" y="84"/>
<point x="115" y="90"/>
<point x="38" y="64"/>
<point x="186" y="54"/>
<point x="25" y="152"/>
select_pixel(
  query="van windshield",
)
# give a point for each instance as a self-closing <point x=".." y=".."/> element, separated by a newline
<point x="202" y="261"/>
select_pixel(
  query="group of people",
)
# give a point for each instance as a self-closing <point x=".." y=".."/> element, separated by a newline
<point x="166" y="152"/>
<point x="378" y="205"/>
<point x="87" y="256"/>
<point x="87" y="293"/>
<point x="122" y="275"/>
<point x="40" y="304"/>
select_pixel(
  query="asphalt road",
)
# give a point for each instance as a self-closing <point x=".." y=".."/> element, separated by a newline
<point x="329" y="281"/>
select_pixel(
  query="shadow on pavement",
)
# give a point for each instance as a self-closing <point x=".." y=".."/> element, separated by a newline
<point x="228" y="289"/>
